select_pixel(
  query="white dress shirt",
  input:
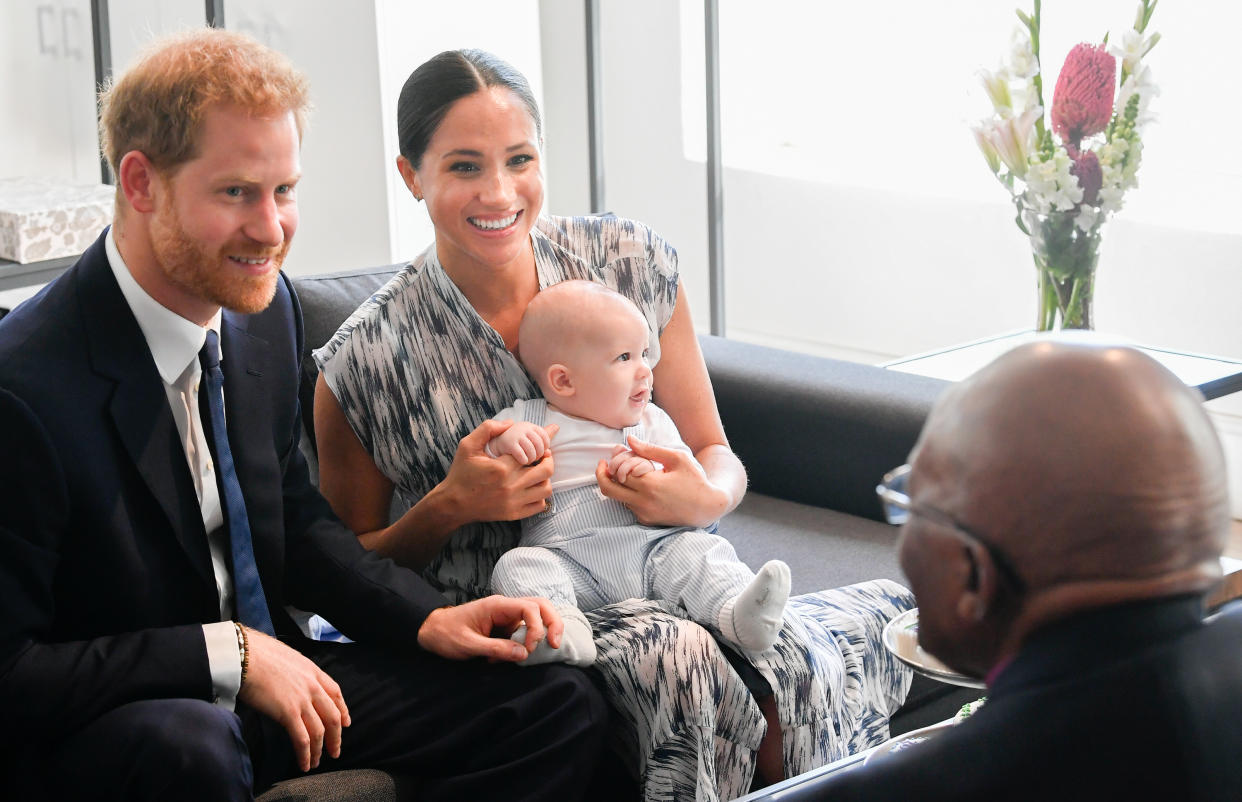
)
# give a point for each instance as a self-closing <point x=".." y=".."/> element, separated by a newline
<point x="175" y="343"/>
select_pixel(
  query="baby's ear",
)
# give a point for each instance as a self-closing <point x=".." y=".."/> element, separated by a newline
<point x="559" y="380"/>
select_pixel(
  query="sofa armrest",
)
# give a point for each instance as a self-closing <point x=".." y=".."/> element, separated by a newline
<point x="815" y="430"/>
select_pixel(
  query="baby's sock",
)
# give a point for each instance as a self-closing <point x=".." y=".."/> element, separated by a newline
<point x="577" y="642"/>
<point x="752" y="619"/>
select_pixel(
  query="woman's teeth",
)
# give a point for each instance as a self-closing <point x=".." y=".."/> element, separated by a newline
<point x="492" y="225"/>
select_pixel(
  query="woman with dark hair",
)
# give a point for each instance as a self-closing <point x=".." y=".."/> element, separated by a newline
<point x="407" y="390"/>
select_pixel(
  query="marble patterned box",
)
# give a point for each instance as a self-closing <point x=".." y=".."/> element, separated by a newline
<point x="42" y="219"/>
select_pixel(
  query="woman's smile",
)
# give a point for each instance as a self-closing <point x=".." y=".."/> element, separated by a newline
<point x="491" y="224"/>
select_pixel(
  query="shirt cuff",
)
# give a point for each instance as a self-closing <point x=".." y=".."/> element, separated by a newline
<point x="224" y="661"/>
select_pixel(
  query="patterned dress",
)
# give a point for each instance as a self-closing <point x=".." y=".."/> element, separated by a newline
<point x="415" y="369"/>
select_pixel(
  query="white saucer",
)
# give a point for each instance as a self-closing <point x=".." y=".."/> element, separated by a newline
<point x="901" y="637"/>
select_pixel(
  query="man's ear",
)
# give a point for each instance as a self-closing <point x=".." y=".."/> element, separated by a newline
<point x="978" y="596"/>
<point x="560" y="381"/>
<point x="410" y="176"/>
<point x="139" y="181"/>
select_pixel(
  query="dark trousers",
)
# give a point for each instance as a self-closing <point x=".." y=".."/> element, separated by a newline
<point x="460" y="730"/>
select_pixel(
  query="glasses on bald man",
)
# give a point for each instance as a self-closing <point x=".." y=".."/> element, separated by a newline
<point x="898" y="508"/>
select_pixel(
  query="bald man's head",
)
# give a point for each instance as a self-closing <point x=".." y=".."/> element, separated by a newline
<point x="1092" y="471"/>
<point x="1082" y="463"/>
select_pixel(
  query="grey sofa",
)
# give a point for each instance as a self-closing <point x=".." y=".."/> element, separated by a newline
<point x="815" y="435"/>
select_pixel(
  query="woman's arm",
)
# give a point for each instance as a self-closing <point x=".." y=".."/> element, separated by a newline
<point x="681" y="494"/>
<point x="477" y="488"/>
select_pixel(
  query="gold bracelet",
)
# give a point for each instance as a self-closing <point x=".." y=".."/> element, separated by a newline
<point x="243" y="646"/>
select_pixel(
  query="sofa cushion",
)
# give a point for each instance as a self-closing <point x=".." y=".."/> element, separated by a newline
<point x="346" y="785"/>
<point x="327" y="300"/>
<point x="824" y="548"/>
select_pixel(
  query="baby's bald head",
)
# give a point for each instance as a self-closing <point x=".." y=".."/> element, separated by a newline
<point x="570" y="315"/>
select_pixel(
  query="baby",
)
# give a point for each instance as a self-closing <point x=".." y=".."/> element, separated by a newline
<point x="586" y="346"/>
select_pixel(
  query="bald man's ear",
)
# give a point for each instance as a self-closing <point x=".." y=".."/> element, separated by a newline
<point x="978" y="595"/>
<point x="559" y="381"/>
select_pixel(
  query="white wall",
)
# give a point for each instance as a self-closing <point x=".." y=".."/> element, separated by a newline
<point x="47" y="97"/>
<point x="343" y="194"/>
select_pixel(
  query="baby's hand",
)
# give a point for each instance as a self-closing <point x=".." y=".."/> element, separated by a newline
<point x="525" y="442"/>
<point x="626" y="463"/>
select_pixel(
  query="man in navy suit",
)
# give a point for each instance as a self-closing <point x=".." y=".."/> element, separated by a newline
<point x="139" y="656"/>
<point x="1064" y="514"/>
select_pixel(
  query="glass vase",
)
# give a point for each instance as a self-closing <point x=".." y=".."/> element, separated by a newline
<point x="1066" y="257"/>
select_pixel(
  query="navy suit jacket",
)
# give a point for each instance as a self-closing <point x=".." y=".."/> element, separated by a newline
<point x="105" y="573"/>
<point x="1138" y="701"/>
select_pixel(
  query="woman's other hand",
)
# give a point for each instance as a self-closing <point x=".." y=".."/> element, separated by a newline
<point x="679" y="495"/>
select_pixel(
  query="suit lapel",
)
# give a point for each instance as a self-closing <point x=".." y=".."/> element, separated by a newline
<point x="139" y="407"/>
<point x="244" y="363"/>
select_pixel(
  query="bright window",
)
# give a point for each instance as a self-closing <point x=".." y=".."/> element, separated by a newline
<point x="881" y="95"/>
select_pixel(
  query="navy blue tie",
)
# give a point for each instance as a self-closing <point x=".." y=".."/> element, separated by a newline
<point x="251" y="603"/>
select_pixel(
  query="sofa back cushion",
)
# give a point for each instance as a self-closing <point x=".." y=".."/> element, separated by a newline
<point x="327" y="300"/>
<point x="816" y="430"/>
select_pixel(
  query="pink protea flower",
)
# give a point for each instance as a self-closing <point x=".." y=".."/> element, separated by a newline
<point x="1082" y="103"/>
<point x="1085" y="167"/>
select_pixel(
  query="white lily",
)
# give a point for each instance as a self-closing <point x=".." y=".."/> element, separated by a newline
<point x="986" y="147"/>
<point x="996" y="84"/>
<point x="1013" y="139"/>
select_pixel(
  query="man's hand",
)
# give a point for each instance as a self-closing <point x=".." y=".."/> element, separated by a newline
<point x="481" y="628"/>
<point x="284" y="685"/>
<point x="524" y="441"/>
<point x="625" y="463"/>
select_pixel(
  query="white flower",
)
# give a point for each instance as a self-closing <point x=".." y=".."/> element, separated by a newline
<point x="1022" y="61"/>
<point x="996" y="84"/>
<point x="1139" y="83"/>
<point x="1132" y="49"/>
<point x="1012" y="138"/>
<point x="985" y="145"/>
<point x="1087" y="217"/>
<point x="1050" y="185"/>
<point x="1110" y="198"/>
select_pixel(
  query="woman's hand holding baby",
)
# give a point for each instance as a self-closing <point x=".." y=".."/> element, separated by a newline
<point x="679" y="495"/>
<point x="485" y="488"/>
<point x="625" y="463"/>
<point x="524" y="441"/>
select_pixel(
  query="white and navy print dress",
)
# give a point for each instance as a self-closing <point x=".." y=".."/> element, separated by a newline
<point x="415" y="369"/>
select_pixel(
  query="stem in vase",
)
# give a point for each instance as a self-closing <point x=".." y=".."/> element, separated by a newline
<point x="1047" y="316"/>
<point x="1077" y="314"/>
